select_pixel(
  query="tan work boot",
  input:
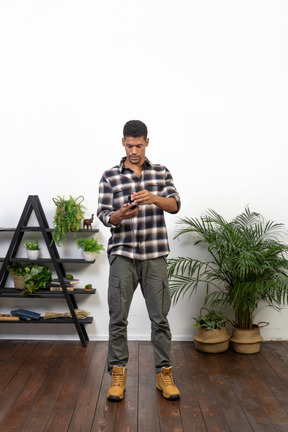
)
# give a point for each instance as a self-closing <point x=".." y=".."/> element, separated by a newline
<point x="165" y="383"/>
<point x="118" y="382"/>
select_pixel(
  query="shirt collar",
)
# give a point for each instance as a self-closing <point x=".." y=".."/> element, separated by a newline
<point x="122" y="167"/>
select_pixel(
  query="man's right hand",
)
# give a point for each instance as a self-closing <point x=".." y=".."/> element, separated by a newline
<point x="125" y="212"/>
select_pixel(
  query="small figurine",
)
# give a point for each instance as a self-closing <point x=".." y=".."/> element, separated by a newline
<point x="88" y="222"/>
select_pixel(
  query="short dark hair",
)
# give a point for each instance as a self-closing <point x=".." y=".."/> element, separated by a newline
<point x="135" y="128"/>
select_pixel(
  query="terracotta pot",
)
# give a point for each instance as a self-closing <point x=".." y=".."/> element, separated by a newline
<point x="246" y="341"/>
<point x="211" y="341"/>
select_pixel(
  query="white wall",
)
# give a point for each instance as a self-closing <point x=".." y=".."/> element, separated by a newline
<point x="209" y="79"/>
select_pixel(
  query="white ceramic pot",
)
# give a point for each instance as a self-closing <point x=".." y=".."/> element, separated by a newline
<point x="89" y="256"/>
<point x="33" y="254"/>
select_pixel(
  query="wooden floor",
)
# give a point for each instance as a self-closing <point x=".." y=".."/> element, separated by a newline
<point x="60" y="386"/>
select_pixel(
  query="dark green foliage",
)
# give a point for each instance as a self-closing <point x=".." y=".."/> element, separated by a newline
<point x="88" y="286"/>
<point x="67" y="218"/>
<point x="16" y="269"/>
<point x="35" y="276"/>
<point x="246" y="263"/>
<point x="212" y="320"/>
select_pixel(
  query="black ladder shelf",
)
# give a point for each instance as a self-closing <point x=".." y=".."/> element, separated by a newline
<point x="33" y="204"/>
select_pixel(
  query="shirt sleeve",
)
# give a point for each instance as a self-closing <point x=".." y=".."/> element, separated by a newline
<point x="170" y="190"/>
<point x="105" y="202"/>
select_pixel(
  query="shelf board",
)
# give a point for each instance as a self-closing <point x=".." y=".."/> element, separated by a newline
<point x="64" y="320"/>
<point x="13" y="292"/>
<point x="38" y="229"/>
<point x="49" y="260"/>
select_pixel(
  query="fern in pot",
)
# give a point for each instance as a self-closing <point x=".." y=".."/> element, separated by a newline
<point x="68" y="215"/>
<point x="246" y="264"/>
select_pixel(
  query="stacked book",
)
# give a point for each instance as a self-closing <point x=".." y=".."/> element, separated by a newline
<point x="8" y="317"/>
<point x="25" y="315"/>
<point x="69" y="284"/>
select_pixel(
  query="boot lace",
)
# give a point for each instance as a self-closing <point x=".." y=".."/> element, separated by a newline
<point x="168" y="379"/>
<point x="117" y="379"/>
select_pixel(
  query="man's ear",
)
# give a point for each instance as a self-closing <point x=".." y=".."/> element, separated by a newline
<point x="123" y="142"/>
<point x="147" y="142"/>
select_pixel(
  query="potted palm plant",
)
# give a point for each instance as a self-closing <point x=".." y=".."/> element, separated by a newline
<point x="246" y="264"/>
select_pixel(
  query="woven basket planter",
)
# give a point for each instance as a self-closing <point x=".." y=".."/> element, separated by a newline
<point x="211" y="341"/>
<point x="246" y="341"/>
<point x="18" y="282"/>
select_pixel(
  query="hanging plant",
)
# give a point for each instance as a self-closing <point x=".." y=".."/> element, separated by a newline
<point x="68" y="216"/>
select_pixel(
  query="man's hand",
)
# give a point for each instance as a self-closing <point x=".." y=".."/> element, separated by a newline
<point x="145" y="197"/>
<point x="125" y="212"/>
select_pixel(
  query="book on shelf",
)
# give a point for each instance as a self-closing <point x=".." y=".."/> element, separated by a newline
<point x="25" y="315"/>
<point x="56" y="282"/>
<point x="8" y="317"/>
<point x="59" y="288"/>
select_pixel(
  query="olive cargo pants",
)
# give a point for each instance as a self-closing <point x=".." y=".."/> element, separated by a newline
<point x="125" y="274"/>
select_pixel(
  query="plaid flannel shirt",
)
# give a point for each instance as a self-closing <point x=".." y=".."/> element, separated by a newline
<point x="144" y="236"/>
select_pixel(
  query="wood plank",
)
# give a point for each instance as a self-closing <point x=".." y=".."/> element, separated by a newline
<point x="12" y="358"/>
<point x="28" y="383"/>
<point x="275" y="383"/>
<point x="219" y="376"/>
<point x="126" y="418"/>
<point x="67" y="400"/>
<point x="192" y="419"/>
<point x="250" y="391"/>
<point x="60" y="386"/>
<point x="106" y="411"/>
<point x="148" y="419"/>
<point x="87" y="402"/>
<point x="211" y="409"/>
<point x="169" y="411"/>
<point x="41" y="410"/>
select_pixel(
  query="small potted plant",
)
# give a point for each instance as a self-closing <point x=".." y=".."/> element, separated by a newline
<point x="33" y="277"/>
<point x="211" y="335"/>
<point x="90" y="247"/>
<point x="17" y="270"/>
<point x="88" y="288"/>
<point x="32" y="248"/>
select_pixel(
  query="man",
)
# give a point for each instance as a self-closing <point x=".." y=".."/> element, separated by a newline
<point x="133" y="197"/>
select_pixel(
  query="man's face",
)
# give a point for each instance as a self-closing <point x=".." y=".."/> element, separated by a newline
<point x="135" y="149"/>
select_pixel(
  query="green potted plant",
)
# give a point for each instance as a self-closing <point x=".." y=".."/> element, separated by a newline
<point x="90" y="247"/>
<point x="33" y="277"/>
<point x="32" y="248"/>
<point x="211" y="335"/>
<point x="88" y="287"/>
<point x="68" y="216"/>
<point x="17" y="271"/>
<point x="245" y="264"/>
